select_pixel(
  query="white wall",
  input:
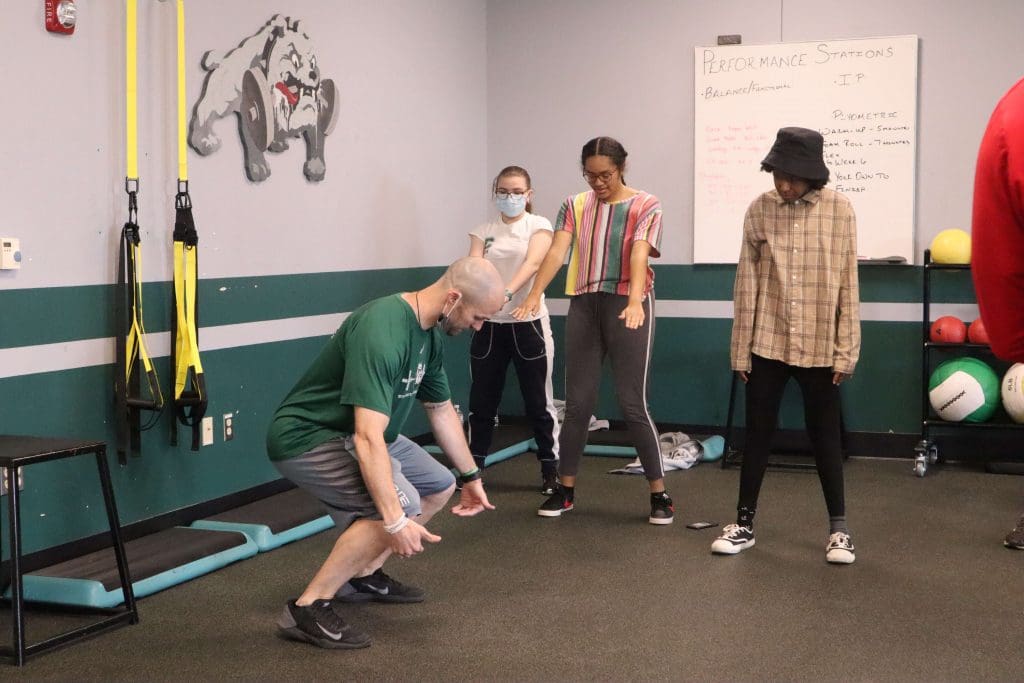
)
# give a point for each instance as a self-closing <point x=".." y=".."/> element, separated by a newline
<point x="602" y="67"/>
<point x="436" y="96"/>
<point x="410" y="139"/>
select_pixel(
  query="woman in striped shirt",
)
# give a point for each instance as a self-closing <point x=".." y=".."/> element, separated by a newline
<point x="612" y="230"/>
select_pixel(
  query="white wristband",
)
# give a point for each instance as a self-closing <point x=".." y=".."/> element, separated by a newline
<point x="397" y="526"/>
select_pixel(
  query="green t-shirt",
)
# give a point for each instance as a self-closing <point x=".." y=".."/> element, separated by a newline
<point x="381" y="359"/>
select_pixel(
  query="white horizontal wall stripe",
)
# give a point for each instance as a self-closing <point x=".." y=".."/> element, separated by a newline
<point x="869" y="311"/>
<point x="267" y="331"/>
<point x="29" y="360"/>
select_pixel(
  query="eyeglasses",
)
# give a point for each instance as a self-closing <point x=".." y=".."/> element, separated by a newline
<point x="603" y="177"/>
<point x="505" y="194"/>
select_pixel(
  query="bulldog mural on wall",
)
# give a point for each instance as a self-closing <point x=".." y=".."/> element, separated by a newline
<point x="272" y="81"/>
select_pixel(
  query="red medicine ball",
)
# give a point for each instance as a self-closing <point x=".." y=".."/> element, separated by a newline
<point x="977" y="334"/>
<point x="949" y="330"/>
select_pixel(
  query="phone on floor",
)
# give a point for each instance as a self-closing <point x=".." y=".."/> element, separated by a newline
<point x="701" y="525"/>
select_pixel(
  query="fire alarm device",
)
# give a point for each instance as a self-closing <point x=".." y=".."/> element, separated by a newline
<point x="10" y="253"/>
<point x="61" y="16"/>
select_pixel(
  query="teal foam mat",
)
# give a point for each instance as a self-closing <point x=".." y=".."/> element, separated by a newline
<point x="262" y="535"/>
<point x="495" y="457"/>
<point x="92" y="580"/>
<point x="273" y="521"/>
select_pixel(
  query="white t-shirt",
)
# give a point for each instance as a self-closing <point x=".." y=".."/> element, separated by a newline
<point x="505" y="246"/>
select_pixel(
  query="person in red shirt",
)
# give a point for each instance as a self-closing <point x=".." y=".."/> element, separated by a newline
<point x="997" y="237"/>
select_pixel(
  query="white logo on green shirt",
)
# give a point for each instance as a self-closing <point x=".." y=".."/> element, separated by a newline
<point x="412" y="382"/>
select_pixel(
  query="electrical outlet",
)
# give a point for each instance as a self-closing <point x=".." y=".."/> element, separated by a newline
<point x="229" y="426"/>
<point x="207" y="431"/>
<point x="4" y="482"/>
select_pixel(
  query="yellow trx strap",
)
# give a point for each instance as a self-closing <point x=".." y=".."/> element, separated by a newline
<point x="190" y="399"/>
<point x="182" y="148"/>
<point x="131" y="91"/>
<point x="131" y="333"/>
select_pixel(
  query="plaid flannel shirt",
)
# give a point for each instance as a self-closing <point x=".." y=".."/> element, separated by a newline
<point x="796" y="297"/>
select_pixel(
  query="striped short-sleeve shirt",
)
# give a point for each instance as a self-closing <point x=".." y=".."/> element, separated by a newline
<point x="603" y="236"/>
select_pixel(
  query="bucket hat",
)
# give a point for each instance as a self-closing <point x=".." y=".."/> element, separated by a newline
<point x="798" y="152"/>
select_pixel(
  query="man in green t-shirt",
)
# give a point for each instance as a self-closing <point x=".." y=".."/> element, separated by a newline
<point x="337" y="435"/>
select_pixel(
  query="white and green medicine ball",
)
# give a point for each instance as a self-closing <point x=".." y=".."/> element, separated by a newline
<point x="1013" y="392"/>
<point x="964" y="390"/>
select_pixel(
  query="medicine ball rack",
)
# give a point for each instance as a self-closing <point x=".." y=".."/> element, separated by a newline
<point x="927" y="450"/>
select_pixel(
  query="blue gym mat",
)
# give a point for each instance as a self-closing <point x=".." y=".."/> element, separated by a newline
<point x="612" y="442"/>
<point x="156" y="562"/>
<point x="509" y="441"/>
<point x="273" y="521"/>
<point x="615" y="442"/>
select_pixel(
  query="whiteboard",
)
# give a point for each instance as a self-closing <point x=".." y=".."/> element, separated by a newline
<point x="860" y="94"/>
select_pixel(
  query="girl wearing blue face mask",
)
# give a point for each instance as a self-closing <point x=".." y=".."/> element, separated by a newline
<point x="515" y="241"/>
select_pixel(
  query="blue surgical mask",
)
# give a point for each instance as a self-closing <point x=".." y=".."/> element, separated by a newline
<point x="511" y="206"/>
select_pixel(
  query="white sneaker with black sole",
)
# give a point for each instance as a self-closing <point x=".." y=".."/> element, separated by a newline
<point x="839" y="549"/>
<point x="734" y="539"/>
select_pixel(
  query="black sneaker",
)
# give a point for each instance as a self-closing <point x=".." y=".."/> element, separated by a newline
<point x="1015" y="539"/>
<point x="734" y="539"/>
<point x="662" y="509"/>
<point x="549" y="482"/>
<point x="318" y="623"/>
<point x="380" y="587"/>
<point x="556" y="504"/>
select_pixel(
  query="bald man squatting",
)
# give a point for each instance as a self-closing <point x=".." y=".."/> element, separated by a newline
<point x="337" y="435"/>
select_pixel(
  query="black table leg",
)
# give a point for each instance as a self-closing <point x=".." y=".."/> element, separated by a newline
<point x="115" y="535"/>
<point x="17" y="599"/>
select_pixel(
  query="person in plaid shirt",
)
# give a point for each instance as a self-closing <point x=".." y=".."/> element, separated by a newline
<point x="796" y="314"/>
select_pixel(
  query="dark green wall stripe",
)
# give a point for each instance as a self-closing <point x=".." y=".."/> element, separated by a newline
<point x="62" y="314"/>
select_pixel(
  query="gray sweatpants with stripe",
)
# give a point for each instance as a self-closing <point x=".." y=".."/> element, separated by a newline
<point x="592" y="331"/>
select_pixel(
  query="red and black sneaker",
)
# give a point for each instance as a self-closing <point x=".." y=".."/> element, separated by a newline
<point x="556" y="504"/>
<point x="662" y="510"/>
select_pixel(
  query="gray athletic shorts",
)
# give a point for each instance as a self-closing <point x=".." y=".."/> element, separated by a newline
<point x="331" y="473"/>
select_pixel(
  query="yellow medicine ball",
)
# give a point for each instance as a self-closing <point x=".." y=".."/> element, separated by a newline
<point x="951" y="246"/>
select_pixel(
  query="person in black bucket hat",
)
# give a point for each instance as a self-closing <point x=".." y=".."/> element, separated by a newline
<point x="795" y="315"/>
<point x="798" y="152"/>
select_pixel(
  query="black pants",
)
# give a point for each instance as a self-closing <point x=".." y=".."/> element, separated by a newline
<point x="529" y="346"/>
<point x="767" y="381"/>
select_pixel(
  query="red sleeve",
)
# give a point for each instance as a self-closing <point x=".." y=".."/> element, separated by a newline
<point x="997" y="231"/>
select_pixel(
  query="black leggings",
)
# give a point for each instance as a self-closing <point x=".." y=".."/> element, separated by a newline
<point x="767" y="381"/>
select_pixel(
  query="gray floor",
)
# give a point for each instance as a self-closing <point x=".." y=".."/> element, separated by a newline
<point x="602" y="595"/>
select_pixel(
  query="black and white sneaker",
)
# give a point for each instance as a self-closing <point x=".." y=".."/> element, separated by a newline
<point x="318" y="623"/>
<point x="1015" y="539"/>
<point x="379" y="587"/>
<point x="549" y="482"/>
<point x="556" y="504"/>
<point x="734" y="539"/>
<point x="662" y="510"/>
<point x="839" y="549"/>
